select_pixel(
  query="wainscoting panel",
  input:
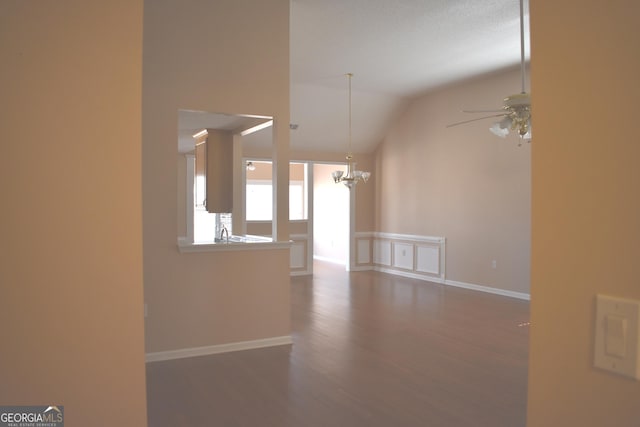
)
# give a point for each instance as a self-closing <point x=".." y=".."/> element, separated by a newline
<point x="382" y="252"/>
<point x="363" y="251"/>
<point x="409" y="255"/>
<point x="428" y="259"/>
<point x="299" y="257"/>
<point x="417" y="257"/>
<point x="403" y="256"/>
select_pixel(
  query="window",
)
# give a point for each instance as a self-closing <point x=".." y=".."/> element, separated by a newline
<point x="259" y="192"/>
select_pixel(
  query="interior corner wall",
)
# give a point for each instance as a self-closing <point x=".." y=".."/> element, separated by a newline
<point x="585" y="204"/>
<point x="71" y="255"/>
<point x="462" y="183"/>
<point x="229" y="56"/>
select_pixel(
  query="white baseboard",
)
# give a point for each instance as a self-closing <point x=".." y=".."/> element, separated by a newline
<point x="447" y="282"/>
<point x="216" y="349"/>
<point x="488" y="289"/>
<point x="300" y="273"/>
<point x="409" y="274"/>
<point x="363" y="268"/>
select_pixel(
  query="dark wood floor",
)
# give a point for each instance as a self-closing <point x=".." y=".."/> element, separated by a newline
<point x="370" y="349"/>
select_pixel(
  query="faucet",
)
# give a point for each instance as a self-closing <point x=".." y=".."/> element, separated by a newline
<point x="223" y="232"/>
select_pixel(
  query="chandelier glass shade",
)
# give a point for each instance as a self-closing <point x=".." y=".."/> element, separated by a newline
<point x="352" y="176"/>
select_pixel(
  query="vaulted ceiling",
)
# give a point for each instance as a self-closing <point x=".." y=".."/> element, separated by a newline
<point x="397" y="50"/>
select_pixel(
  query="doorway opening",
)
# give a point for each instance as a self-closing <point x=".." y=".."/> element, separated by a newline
<point x="331" y="216"/>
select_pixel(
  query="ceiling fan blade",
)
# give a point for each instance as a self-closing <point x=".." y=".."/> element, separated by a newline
<point x="476" y="119"/>
<point x="483" y="111"/>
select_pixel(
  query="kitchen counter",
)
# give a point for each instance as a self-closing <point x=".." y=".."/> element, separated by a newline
<point x="235" y="243"/>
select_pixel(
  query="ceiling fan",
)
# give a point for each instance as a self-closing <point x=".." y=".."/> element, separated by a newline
<point x="516" y="111"/>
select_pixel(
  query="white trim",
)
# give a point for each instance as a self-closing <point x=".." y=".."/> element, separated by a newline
<point x="363" y="268"/>
<point x="190" y="160"/>
<point x="300" y="273"/>
<point x="410" y="237"/>
<point x="488" y="289"/>
<point x="447" y="282"/>
<point x="185" y="247"/>
<point x="311" y="219"/>
<point x="217" y="349"/>
<point x="409" y="274"/>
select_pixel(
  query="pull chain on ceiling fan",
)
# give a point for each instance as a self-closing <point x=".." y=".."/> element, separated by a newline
<point x="516" y="111"/>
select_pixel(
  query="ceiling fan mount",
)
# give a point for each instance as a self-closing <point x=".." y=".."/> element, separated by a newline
<point x="518" y="100"/>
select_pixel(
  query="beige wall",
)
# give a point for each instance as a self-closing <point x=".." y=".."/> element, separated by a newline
<point x="71" y="257"/>
<point x="462" y="183"/>
<point x="229" y="56"/>
<point x="586" y="204"/>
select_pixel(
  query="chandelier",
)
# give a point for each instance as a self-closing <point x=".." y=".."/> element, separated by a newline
<point x="352" y="176"/>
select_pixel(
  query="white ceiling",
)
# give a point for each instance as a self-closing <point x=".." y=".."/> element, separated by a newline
<point x="397" y="50"/>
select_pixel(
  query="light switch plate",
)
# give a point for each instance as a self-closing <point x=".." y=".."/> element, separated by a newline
<point x="617" y="341"/>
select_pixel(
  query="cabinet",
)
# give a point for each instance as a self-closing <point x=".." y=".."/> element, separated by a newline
<point x="219" y="171"/>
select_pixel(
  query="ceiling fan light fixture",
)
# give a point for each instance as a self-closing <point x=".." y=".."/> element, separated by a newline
<point x="502" y="127"/>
